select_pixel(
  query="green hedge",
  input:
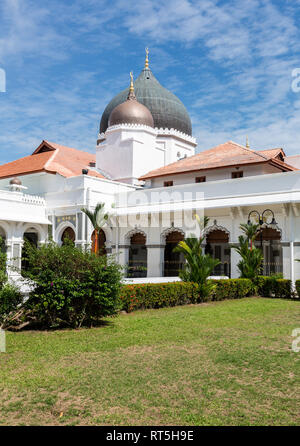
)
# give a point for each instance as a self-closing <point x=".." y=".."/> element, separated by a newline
<point x="232" y="289"/>
<point x="158" y="295"/>
<point x="273" y="287"/>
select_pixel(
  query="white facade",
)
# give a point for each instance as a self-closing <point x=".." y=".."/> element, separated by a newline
<point x="127" y="151"/>
<point x="147" y="219"/>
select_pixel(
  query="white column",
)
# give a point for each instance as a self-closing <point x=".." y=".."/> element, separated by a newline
<point x="155" y="258"/>
<point x="286" y="261"/>
<point x="122" y="256"/>
<point x="234" y="260"/>
<point x="292" y="260"/>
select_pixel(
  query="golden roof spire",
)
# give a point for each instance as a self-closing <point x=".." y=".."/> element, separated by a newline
<point x="147" y="58"/>
<point x="131" y="94"/>
<point x="247" y="142"/>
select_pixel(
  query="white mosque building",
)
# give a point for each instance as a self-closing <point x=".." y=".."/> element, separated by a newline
<point x="146" y="172"/>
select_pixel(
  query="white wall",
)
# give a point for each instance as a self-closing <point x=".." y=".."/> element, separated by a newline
<point x="212" y="175"/>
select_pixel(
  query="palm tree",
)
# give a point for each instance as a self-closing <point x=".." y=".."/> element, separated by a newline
<point x="98" y="218"/>
<point x="198" y="266"/>
<point x="251" y="231"/>
<point x="251" y="258"/>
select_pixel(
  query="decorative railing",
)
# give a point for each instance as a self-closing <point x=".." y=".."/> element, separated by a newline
<point x="21" y="197"/>
<point x="136" y="268"/>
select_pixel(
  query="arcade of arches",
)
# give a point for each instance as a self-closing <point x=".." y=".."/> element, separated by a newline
<point x="137" y="256"/>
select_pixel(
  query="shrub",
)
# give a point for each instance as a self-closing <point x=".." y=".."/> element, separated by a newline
<point x="298" y="287"/>
<point x="152" y="295"/>
<point x="158" y="295"/>
<point x="270" y="286"/>
<point x="10" y="299"/>
<point x="199" y="266"/>
<point x="232" y="289"/>
<point x="251" y="257"/>
<point x="73" y="287"/>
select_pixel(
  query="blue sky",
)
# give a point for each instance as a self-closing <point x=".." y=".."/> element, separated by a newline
<point x="230" y="62"/>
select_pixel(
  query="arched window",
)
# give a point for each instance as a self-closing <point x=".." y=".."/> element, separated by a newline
<point x="68" y="234"/>
<point x="137" y="261"/>
<point x="173" y="261"/>
<point x="31" y="237"/>
<point x="2" y="240"/>
<point x="269" y="240"/>
<point x="217" y="245"/>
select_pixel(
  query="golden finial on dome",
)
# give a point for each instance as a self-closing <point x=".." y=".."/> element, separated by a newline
<point x="147" y="58"/>
<point x="131" y="94"/>
<point x="247" y="142"/>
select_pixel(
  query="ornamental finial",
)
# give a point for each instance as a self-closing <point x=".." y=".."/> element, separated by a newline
<point x="147" y="58"/>
<point x="131" y="94"/>
<point x="247" y="142"/>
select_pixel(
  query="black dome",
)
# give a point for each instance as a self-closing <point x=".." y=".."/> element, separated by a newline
<point x="167" y="110"/>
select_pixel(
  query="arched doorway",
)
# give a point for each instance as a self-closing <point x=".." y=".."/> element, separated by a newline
<point x="68" y="234"/>
<point x="101" y="242"/>
<point x="173" y="261"/>
<point x="217" y="245"/>
<point x="2" y="240"/>
<point x="137" y="258"/>
<point x="30" y="237"/>
<point x="269" y="240"/>
<point x="2" y="252"/>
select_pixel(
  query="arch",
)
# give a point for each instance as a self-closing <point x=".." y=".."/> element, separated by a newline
<point x="30" y="235"/>
<point x="269" y="240"/>
<point x="60" y="230"/>
<point x="216" y="227"/>
<point x="34" y="228"/>
<point x="3" y="239"/>
<point x="168" y="231"/>
<point x="217" y="245"/>
<point x="138" y="254"/>
<point x="68" y="233"/>
<point x="269" y="234"/>
<point x="132" y="233"/>
<point x="173" y="261"/>
<point x="101" y="242"/>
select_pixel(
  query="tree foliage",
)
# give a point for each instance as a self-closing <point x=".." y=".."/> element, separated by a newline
<point x="72" y="287"/>
<point x="251" y="257"/>
<point x="199" y="266"/>
<point x="98" y="218"/>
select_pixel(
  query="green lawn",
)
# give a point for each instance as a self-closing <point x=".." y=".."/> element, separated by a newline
<point x="220" y="363"/>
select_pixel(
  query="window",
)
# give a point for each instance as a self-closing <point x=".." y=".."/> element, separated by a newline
<point x="168" y="183"/>
<point x="200" y="179"/>
<point x="237" y="174"/>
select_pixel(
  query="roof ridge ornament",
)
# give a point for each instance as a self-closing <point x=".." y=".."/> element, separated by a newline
<point x="131" y="94"/>
<point x="247" y="142"/>
<point x="147" y="58"/>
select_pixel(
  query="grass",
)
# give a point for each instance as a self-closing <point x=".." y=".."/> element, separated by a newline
<point x="223" y="363"/>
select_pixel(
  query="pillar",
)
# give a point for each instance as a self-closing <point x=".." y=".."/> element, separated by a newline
<point x="234" y="260"/>
<point x="155" y="258"/>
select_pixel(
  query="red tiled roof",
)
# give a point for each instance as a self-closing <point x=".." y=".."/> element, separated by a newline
<point x="224" y="155"/>
<point x="272" y="153"/>
<point x="52" y="158"/>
